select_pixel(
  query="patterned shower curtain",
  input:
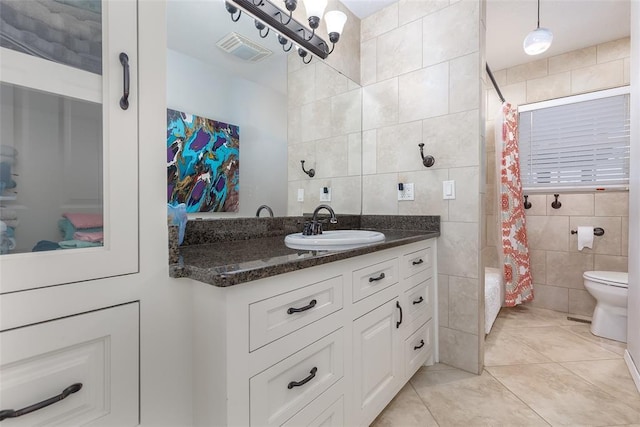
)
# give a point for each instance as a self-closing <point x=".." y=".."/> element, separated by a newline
<point x="514" y="254"/>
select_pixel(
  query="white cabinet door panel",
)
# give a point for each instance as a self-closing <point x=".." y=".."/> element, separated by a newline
<point x="376" y="365"/>
<point x="72" y="148"/>
<point x="97" y="349"/>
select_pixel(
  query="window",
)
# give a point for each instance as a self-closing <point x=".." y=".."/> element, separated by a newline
<point x="576" y="143"/>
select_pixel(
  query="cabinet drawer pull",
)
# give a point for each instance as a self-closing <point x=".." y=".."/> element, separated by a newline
<point x="418" y="262"/>
<point x="399" y="322"/>
<point x="417" y="347"/>
<point x="10" y="413"/>
<point x="375" y="279"/>
<point x="292" y="310"/>
<point x="312" y="374"/>
<point x="124" y="101"/>
<point x="418" y="301"/>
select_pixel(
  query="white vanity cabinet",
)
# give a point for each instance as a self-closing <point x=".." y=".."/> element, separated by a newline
<point x="328" y="345"/>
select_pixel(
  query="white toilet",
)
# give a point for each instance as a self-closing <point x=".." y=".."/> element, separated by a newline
<point x="610" y="289"/>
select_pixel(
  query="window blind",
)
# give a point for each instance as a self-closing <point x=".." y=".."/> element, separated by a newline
<point x="579" y="143"/>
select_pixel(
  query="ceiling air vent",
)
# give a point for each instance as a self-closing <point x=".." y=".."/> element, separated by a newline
<point x="245" y="49"/>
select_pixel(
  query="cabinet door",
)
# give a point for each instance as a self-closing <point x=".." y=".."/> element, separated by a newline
<point x="68" y="156"/>
<point x="377" y="368"/>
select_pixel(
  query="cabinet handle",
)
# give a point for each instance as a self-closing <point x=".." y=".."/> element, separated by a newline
<point x="124" y="101"/>
<point x="418" y="301"/>
<point x="312" y="304"/>
<point x="399" y="322"/>
<point x="312" y="374"/>
<point x="10" y="413"/>
<point x="417" y="347"/>
<point x="418" y="262"/>
<point x="375" y="279"/>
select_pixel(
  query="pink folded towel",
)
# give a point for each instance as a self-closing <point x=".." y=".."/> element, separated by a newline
<point x="84" y="220"/>
<point x="96" y="236"/>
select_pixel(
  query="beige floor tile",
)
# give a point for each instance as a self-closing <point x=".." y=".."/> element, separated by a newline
<point x="458" y="398"/>
<point x="561" y="345"/>
<point x="406" y="410"/>
<point x="584" y="331"/>
<point x="529" y="317"/>
<point x="501" y="347"/>
<point x="436" y="367"/>
<point x="611" y="376"/>
<point x="562" y="397"/>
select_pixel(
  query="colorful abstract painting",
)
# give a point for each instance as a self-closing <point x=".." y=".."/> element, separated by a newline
<point x="202" y="163"/>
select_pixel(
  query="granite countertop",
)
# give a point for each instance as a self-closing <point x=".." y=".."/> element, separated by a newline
<point x="228" y="263"/>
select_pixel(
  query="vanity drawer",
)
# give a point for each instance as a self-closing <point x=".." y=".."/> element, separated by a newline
<point x="282" y="390"/>
<point x="419" y="304"/>
<point x="325" y="411"/>
<point x="98" y="350"/>
<point x="282" y="314"/>
<point x="418" y="348"/>
<point x="416" y="262"/>
<point x="374" y="278"/>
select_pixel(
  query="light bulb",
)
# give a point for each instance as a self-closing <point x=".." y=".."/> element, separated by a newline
<point x="537" y="41"/>
<point x="335" y="21"/>
<point x="315" y="8"/>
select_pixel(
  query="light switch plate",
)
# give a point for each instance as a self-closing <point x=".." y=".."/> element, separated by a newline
<point x="448" y="190"/>
<point x="325" y="197"/>
<point x="301" y="194"/>
<point x="407" y="192"/>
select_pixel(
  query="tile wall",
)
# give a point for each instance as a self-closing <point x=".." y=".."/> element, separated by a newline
<point x="422" y="84"/>
<point x="324" y="103"/>
<point x="556" y="263"/>
<point x="324" y="130"/>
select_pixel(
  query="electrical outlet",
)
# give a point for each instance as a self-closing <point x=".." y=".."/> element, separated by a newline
<point x="407" y="192"/>
<point x="301" y="194"/>
<point x="325" y="197"/>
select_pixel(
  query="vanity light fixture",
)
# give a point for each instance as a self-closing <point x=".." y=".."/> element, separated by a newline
<point x="283" y="41"/>
<point x="538" y="40"/>
<point x="232" y="11"/>
<point x="268" y="15"/>
<point x="260" y="26"/>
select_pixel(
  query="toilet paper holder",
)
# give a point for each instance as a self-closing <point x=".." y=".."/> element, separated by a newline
<point x="598" y="231"/>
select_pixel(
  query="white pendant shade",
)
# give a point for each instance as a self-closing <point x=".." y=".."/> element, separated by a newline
<point x="315" y="7"/>
<point x="537" y="41"/>
<point x="335" y="21"/>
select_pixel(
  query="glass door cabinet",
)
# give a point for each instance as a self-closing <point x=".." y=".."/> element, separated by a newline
<point x="68" y="141"/>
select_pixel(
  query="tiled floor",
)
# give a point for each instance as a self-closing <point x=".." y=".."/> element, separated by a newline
<point x="540" y="369"/>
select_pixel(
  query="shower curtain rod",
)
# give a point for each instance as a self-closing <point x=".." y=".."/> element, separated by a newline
<point x="493" y="80"/>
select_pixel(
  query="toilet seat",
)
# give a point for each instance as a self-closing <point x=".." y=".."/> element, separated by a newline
<point x="610" y="278"/>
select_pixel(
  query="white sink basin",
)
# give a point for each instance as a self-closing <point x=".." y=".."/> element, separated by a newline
<point x="333" y="240"/>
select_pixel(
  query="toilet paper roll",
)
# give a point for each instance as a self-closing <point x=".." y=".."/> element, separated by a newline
<point x="585" y="237"/>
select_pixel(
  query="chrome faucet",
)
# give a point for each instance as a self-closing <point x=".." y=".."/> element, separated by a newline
<point x="315" y="227"/>
<point x="264" y="207"/>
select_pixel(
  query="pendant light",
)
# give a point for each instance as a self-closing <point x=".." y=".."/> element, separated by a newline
<point x="538" y="40"/>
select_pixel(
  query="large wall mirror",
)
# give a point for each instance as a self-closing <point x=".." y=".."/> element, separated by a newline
<point x="286" y="111"/>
